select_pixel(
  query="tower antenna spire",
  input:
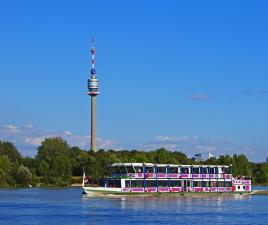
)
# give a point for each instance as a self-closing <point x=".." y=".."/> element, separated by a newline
<point x="92" y="53"/>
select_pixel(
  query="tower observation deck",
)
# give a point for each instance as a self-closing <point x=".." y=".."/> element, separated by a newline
<point x="93" y="91"/>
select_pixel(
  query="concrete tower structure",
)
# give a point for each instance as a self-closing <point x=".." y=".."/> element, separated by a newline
<point x="93" y="91"/>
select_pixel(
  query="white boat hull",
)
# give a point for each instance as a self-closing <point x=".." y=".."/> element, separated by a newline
<point x="101" y="190"/>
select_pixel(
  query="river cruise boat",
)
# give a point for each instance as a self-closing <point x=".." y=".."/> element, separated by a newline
<point x="143" y="178"/>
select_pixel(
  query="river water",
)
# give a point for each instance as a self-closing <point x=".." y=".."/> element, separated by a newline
<point x="68" y="206"/>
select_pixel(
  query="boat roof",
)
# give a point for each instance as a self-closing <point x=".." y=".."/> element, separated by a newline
<point x="163" y="165"/>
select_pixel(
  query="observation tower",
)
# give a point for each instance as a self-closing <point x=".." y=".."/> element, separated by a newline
<point x="93" y="91"/>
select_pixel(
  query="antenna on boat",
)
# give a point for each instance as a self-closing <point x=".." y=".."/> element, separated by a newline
<point x="83" y="181"/>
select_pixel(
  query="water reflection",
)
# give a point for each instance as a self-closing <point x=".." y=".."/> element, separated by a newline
<point x="160" y="209"/>
<point x="176" y="203"/>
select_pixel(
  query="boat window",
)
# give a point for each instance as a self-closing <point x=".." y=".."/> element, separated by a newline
<point x="228" y="184"/>
<point x="206" y="184"/>
<point x="123" y="169"/>
<point x="221" y="183"/>
<point x="150" y="183"/>
<point x="161" y="169"/>
<point x="204" y="170"/>
<point x="163" y="183"/>
<point x="244" y="187"/>
<point x="227" y="170"/>
<point x="130" y="169"/>
<point x="127" y="184"/>
<point x="114" y="183"/>
<point x="195" y="170"/>
<point x="117" y="170"/>
<point x="173" y="169"/>
<point x="137" y="183"/>
<point x="184" y="170"/>
<point x="149" y="169"/>
<point x="175" y="183"/>
<point x="139" y="169"/>
<point x="213" y="183"/>
<point x="216" y="170"/>
<point x="238" y="187"/>
<point x="188" y="183"/>
<point x="211" y="170"/>
<point x="197" y="184"/>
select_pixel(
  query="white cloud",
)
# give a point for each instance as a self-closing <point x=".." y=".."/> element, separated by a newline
<point x="36" y="141"/>
<point x="27" y="138"/>
<point x="29" y="125"/>
<point x="11" y="128"/>
<point x="67" y="133"/>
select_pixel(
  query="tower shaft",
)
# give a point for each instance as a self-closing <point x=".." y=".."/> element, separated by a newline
<point x="93" y="125"/>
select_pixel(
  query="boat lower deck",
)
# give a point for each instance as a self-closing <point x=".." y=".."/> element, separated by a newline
<point x="97" y="191"/>
<point x="201" y="194"/>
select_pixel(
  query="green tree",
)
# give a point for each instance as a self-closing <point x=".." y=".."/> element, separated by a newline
<point x="30" y="163"/>
<point x="243" y="166"/>
<point x="162" y="156"/>
<point x="263" y="176"/>
<point x="61" y="168"/>
<point x="224" y="160"/>
<point x="44" y="169"/>
<point x="9" y="149"/>
<point x="54" y="159"/>
<point x="211" y="161"/>
<point x="79" y="160"/>
<point x="51" y="148"/>
<point x="24" y="176"/>
<point x="5" y="170"/>
<point x="180" y="158"/>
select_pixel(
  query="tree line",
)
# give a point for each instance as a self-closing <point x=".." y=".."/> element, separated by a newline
<point x="56" y="163"/>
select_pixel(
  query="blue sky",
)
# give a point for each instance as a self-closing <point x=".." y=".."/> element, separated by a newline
<point x="187" y="75"/>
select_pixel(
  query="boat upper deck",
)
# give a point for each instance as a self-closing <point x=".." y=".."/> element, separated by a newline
<point x="172" y="170"/>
